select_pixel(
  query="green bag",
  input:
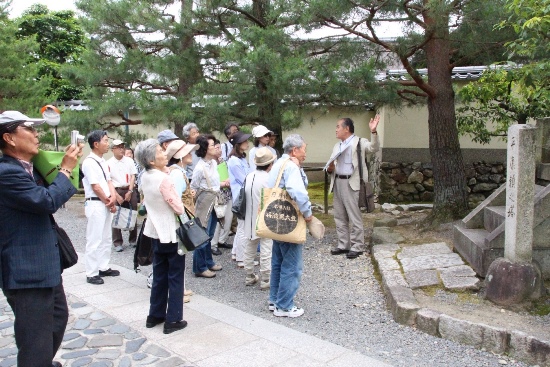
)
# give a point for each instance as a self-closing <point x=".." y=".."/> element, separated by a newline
<point x="223" y="171"/>
<point x="48" y="163"/>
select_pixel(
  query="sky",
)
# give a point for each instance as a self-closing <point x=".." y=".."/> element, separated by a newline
<point x="19" y="6"/>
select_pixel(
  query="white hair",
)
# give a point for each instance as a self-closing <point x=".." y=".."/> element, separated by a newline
<point x="292" y="141"/>
<point x="146" y="152"/>
<point x="187" y="129"/>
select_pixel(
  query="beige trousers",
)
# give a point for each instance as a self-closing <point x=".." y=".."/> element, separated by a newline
<point x="347" y="216"/>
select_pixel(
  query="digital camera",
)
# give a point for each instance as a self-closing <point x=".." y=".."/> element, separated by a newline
<point x="76" y="138"/>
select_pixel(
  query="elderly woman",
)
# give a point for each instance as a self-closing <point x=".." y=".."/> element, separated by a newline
<point x="163" y="203"/>
<point x="179" y="156"/>
<point x="206" y="182"/>
<point x="190" y="134"/>
<point x="262" y="136"/>
<point x="255" y="182"/>
<point x="238" y="169"/>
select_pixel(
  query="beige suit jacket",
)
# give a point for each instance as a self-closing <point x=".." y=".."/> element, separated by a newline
<point x="366" y="147"/>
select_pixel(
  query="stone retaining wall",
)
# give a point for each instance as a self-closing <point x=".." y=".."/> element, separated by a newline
<point x="414" y="182"/>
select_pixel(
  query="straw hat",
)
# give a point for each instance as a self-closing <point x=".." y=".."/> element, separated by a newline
<point x="263" y="157"/>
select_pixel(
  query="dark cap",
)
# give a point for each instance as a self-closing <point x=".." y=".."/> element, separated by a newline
<point x="239" y="137"/>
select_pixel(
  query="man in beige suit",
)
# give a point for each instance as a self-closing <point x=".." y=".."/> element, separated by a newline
<point x="344" y="169"/>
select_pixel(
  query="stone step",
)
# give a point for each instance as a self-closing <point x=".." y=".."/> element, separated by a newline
<point x="493" y="216"/>
<point x="470" y="243"/>
<point x="543" y="171"/>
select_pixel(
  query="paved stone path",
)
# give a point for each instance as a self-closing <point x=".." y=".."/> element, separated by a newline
<point x="107" y="328"/>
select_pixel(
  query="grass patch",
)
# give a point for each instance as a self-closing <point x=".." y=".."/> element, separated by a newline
<point x="430" y="290"/>
<point x="316" y="191"/>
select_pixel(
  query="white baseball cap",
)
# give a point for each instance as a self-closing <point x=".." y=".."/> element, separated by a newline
<point x="260" y="131"/>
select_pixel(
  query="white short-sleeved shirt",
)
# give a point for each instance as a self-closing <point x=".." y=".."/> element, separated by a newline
<point x="121" y="171"/>
<point x="93" y="174"/>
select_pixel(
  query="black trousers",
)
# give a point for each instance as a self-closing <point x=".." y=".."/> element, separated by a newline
<point x="41" y="316"/>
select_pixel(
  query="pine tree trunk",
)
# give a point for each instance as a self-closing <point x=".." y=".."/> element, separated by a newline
<point x="450" y="189"/>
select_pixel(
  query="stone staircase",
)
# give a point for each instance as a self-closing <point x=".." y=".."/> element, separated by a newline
<point x="479" y="237"/>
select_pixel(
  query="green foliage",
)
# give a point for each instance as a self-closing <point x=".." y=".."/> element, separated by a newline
<point x="60" y="41"/>
<point x="268" y="72"/>
<point x="496" y="101"/>
<point x="504" y="96"/>
<point x="19" y="88"/>
<point x="531" y="21"/>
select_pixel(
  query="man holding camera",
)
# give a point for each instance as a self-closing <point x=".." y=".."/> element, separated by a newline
<point x="30" y="268"/>
<point x="123" y="175"/>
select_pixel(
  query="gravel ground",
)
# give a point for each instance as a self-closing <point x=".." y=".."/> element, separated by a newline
<point x="342" y="299"/>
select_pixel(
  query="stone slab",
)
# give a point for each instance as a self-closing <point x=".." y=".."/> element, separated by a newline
<point x="388" y="264"/>
<point x="392" y="278"/>
<point x="385" y="222"/>
<point x="454" y="283"/>
<point x="529" y="349"/>
<point x="478" y="335"/>
<point x="384" y="254"/>
<point x="427" y="321"/>
<point x="458" y="271"/>
<point x="431" y="262"/>
<point x="105" y="341"/>
<point x="402" y="304"/>
<point x="387" y="250"/>
<point x="422" y="278"/>
<point x="383" y="235"/>
<point x="424" y="250"/>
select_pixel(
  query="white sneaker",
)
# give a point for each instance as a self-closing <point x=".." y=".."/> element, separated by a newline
<point x="293" y="312"/>
<point x="240" y="264"/>
<point x="251" y="279"/>
<point x="271" y="306"/>
<point x="264" y="285"/>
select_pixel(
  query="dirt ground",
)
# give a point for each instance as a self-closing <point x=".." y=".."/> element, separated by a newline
<point x="533" y="319"/>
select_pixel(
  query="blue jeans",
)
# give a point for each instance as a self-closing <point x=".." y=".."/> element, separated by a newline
<point x="202" y="257"/>
<point x="167" y="288"/>
<point x="286" y="271"/>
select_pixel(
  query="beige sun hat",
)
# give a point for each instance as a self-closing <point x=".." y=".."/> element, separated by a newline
<point x="316" y="228"/>
<point x="179" y="149"/>
<point x="263" y="157"/>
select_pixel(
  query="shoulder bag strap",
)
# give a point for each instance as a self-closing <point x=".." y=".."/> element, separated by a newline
<point x="359" y="160"/>
<point x="281" y="173"/>
<point x="206" y="177"/>
<point x="100" y="166"/>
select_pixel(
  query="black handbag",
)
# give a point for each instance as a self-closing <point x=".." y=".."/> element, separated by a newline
<point x="191" y="233"/>
<point x="143" y="255"/>
<point x="67" y="252"/>
<point x="239" y="207"/>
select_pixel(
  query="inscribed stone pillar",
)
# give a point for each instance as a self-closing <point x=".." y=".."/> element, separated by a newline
<point x="520" y="190"/>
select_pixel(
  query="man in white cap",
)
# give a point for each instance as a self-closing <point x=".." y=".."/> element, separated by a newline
<point x="123" y="176"/>
<point x="100" y="200"/>
<point x="30" y="268"/>
<point x="262" y="135"/>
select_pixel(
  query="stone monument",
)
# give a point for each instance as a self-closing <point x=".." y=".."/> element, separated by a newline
<point x="515" y="277"/>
